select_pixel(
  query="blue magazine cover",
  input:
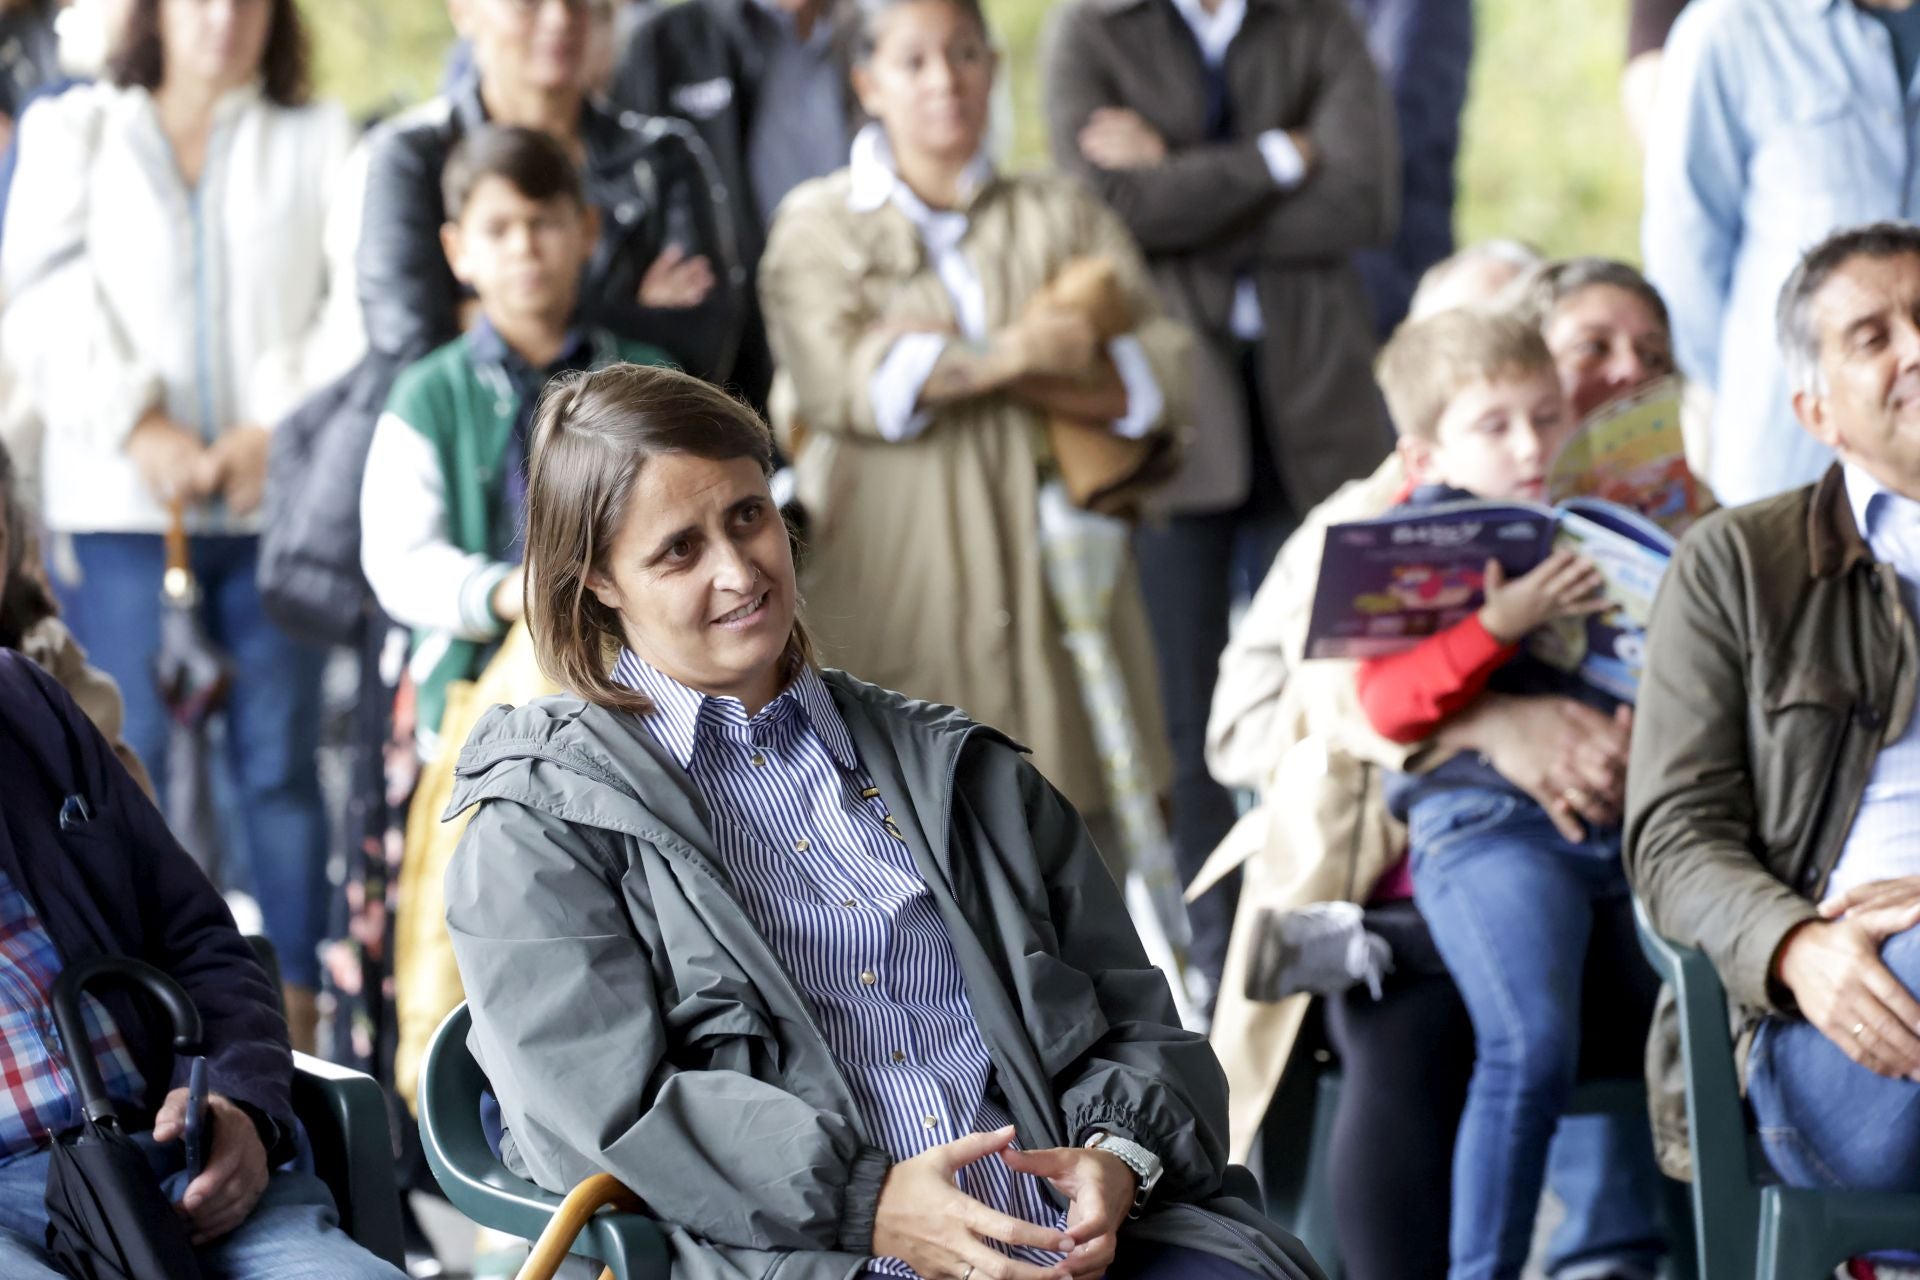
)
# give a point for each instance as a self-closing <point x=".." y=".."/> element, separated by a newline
<point x="1389" y="583"/>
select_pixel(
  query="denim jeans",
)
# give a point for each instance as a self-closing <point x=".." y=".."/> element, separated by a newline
<point x="1511" y="905"/>
<point x="1825" y="1120"/>
<point x="273" y="712"/>
<point x="293" y="1233"/>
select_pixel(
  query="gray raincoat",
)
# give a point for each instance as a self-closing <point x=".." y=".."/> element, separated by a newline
<point x="634" y="1021"/>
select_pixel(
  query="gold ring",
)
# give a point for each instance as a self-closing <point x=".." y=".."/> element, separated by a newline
<point x="1571" y="797"/>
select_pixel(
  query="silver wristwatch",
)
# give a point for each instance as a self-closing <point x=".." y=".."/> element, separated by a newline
<point x="1146" y="1166"/>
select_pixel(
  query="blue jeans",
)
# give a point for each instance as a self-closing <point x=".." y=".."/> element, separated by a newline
<point x="272" y="715"/>
<point x="1827" y="1121"/>
<point x="293" y="1233"/>
<point x="1511" y="905"/>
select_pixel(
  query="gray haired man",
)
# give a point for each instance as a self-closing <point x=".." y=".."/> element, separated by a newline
<point x="1773" y="796"/>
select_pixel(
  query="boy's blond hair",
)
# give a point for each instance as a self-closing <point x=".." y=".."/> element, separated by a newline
<point x="1427" y="362"/>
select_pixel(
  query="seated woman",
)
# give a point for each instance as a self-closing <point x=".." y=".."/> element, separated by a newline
<point x="833" y="979"/>
<point x="1278" y="727"/>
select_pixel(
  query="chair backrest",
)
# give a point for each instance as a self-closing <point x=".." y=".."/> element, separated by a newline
<point x="456" y="1145"/>
<point x="1726" y="1192"/>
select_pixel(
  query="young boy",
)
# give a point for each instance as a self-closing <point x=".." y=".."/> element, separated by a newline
<point x="440" y="507"/>
<point x="1509" y="898"/>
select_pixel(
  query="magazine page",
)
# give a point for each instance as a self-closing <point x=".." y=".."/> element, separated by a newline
<point x="1608" y="649"/>
<point x="1630" y="452"/>
<point x="1387" y="584"/>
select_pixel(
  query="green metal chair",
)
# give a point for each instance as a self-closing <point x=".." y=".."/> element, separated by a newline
<point x="1747" y="1228"/>
<point x="480" y="1186"/>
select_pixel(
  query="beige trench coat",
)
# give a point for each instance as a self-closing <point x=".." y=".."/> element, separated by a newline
<point x="1294" y="732"/>
<point x="923" y="571"/>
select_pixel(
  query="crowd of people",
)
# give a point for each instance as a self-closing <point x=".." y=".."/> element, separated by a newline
<point x="890" y="560"/>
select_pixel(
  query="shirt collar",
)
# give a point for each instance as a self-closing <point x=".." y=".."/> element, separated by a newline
<point x="488" y="347"/>
<point x="678" y="712"/>
<point x="874" y="181"/>
<point x="1214" y="31"/>
<point x="1881" y="515"/>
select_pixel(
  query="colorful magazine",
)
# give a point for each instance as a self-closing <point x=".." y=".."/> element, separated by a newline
<point x="1389" y="583"/>
<point x="1631" y="452"/>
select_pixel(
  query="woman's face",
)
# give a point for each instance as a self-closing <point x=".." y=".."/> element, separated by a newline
<point x="216" y="42"/>
<point x="930" y="80"/>
<point x="701" y="574"/>
<point x="536" y="45"/>
<point x="1606" y="342"/>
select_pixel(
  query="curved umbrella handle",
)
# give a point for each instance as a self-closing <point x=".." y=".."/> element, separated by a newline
<point x="74" y="980"/>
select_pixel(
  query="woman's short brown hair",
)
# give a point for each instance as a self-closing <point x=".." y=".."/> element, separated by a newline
<point x="592" y="434"/>
<point x="139" y="59"/>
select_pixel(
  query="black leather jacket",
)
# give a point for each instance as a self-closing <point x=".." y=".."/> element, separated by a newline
<point x="651" y="179"/>
<point x="653" y="183"/>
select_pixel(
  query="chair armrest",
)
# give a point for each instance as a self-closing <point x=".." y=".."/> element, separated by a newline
<point x="345" y="1115"/>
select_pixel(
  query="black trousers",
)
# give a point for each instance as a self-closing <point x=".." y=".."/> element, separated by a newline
<point x="1406" y="1059"/>
<point x="1191" y="570"/>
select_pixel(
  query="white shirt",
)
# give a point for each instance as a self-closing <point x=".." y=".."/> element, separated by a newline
<point x="224" y="303"/>
<point x="1215" y="33"/>
<point x="1884" y="842"/>
<point x="896" y="384"/>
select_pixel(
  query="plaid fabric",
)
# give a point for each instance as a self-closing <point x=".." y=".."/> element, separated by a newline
<point x="38" y="1096"/>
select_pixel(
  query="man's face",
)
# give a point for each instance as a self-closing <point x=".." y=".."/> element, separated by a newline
<point x="1866" y="318"/>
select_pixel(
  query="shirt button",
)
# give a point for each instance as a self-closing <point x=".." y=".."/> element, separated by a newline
<point x="1002" y="618"/>
<point x="801" y="846"/>
<point x="850" y="903"/>
<point x="931" y="1122"/>
<point x="869" y="977"/>
<point x="899" y="1055"/>
<point x="756" y="760"/>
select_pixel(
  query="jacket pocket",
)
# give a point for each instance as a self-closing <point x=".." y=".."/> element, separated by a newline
<point x="1799" y="753"/>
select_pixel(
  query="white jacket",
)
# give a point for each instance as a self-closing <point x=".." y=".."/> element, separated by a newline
<point x="224" y="304"/>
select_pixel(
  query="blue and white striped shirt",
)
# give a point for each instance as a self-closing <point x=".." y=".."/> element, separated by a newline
<point x="811" y="849"/>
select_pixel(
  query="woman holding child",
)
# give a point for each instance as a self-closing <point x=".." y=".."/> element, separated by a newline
<point x="915" y="381"/>
<point x="169" y="298"/>
<point x="833" y="979"/>
<point x="1288" y="729"/>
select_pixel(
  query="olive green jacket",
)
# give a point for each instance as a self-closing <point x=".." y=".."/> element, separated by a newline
<point x="1780" y="660"/>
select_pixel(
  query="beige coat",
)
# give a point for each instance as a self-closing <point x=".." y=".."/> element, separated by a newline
<point x="924" y="571"/>
<point x="1293" y="731"/>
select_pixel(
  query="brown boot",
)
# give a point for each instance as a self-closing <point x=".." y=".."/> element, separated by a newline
<point x="303" y="1016"/>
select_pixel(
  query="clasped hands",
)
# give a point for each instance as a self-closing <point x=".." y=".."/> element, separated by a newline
<point x="176" y="465"/>
<point x="925" y="1220"/>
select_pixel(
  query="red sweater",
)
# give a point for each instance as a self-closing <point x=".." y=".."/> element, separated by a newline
<point x="1410" y="694"/>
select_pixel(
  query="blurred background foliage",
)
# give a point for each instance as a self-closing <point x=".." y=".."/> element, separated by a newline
<point x="1547" y="156"/>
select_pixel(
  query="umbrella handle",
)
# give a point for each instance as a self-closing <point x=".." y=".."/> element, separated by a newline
<point x="78" y="1045"/>
<point x="177" y="582"/>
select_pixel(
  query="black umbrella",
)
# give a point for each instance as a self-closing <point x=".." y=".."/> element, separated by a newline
<point x="192" y="676"/>
<point x="107" y="1218"/>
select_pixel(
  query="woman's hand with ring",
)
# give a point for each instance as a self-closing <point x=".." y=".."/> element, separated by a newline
<point x="937" y="1229"/>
